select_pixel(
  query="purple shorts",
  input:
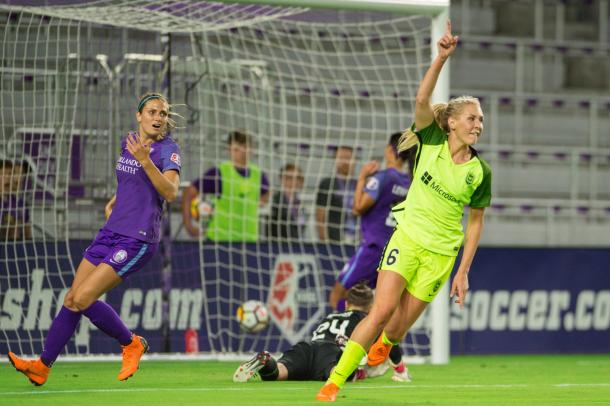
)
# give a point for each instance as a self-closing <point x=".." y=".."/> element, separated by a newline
<point x="125" y="255"/>
<point x="362" y="266"/>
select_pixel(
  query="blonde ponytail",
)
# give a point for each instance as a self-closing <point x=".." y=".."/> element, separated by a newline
<point x="409" y="138"/>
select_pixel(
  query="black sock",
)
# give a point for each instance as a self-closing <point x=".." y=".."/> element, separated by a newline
<point x="396" y="355"/>
<point x="269" y="372"/>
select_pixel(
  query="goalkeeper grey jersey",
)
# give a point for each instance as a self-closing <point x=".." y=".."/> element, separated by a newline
<point x="337" y="325"/>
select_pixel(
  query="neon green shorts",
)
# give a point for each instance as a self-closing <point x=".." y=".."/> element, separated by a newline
<point x="425" y="271"/>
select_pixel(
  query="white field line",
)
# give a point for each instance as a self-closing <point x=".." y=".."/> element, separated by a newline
<point x="227" y="357"/>
<point x="242" y="388"/>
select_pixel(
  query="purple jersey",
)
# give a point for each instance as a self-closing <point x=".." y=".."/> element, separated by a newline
<point x="138" y="207"/>
<point x="387" y="188"/>
<point x="211" y="182"/>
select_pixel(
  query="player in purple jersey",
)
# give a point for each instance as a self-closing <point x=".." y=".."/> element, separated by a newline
<point x="148" y="174"/>
<point x="377" y="191"/>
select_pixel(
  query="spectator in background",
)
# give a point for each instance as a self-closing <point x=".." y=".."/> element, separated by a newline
<point x="237" y="189"/>
<point x="334" y="219"/>
<point x="287" y="220"/>
<point x="6" y="171"/>
<point x="15" y="186"/>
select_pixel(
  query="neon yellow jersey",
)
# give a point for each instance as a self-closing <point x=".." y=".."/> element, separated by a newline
<point x="431" y="215"/>
<point x="235" y="215"/>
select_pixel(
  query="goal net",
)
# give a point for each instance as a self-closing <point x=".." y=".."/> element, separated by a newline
<point x="302" y="82"/>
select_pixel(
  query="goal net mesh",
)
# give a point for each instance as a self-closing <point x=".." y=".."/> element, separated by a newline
<point x="301" y="82"/>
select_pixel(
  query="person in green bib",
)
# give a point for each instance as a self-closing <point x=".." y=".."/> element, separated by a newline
<point x="237" y="188"/>
<point x="420" y="254"/>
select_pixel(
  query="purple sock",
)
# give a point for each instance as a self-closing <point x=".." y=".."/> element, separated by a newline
<point x="340" y="305"/>
<point x="62" y="328"/>
<point x="106" y="319"/>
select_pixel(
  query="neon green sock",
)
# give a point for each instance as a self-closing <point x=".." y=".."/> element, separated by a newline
<point x="352" y="355"/>
<point x="386" y="340"/>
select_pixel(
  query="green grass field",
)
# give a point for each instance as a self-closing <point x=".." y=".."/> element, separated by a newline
<point x="489" y="380"/>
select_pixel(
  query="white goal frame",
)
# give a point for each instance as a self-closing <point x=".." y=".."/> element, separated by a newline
<point x="438" y="12"/>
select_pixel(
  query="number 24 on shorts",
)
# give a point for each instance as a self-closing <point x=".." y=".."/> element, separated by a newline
<point x="392" y="256"/>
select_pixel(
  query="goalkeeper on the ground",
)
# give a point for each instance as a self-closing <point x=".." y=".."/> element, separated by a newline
<point x="313" y="360"/>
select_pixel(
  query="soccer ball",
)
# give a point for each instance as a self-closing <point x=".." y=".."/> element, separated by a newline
<point x="252" y="316"/>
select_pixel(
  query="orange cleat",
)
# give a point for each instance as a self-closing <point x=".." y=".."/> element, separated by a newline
<point x="36" y="371"/>
<point x="328" y="393"/>
<point x="131" y="357"/>
<point x="378" y="353"/>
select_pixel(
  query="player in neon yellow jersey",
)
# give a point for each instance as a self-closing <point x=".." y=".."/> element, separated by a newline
<point x="420" y="254"/>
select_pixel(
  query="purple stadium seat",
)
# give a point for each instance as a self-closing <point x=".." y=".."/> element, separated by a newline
<point x="527" y="208"/>
<point x="505" y="154"/>
<point x="586" y="157"/>
<point x="498" y="207"/>
<point x="505" y="101"/>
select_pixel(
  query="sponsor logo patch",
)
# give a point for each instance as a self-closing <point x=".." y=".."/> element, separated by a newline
<point x="372" y="184"/>
<point x="119" y="256"/>
<point x="469" y="178"/>
<point x="426" y="178"/>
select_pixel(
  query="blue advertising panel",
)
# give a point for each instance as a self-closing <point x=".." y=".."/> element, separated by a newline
<point x="521" y="300"/>
<point x="535" y="301"/>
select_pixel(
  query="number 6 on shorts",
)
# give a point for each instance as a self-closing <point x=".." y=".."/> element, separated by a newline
<point x="392" y="256"/>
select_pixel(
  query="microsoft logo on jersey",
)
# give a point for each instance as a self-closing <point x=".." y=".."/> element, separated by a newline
<point x="427" y="179"/>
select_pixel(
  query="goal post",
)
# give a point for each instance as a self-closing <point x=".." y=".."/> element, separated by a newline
<point x="439" y="340"/>
<point x="300" y="86"/>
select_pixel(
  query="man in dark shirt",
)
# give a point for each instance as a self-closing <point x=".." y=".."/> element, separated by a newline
<point x="287" y="219"/>
<point x="334" y="219"/>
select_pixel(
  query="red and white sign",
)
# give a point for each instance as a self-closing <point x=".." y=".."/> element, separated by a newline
<point x="291" y="290"/>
